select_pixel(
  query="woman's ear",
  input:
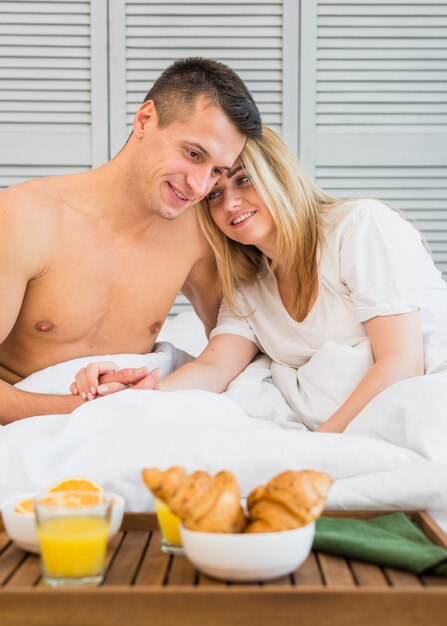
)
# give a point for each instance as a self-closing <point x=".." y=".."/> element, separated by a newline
<point x="144" y="117"/>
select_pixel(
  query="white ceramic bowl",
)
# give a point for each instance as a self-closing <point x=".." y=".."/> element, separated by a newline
<point x="21" y="527"/>
<point x="248" y="557"/>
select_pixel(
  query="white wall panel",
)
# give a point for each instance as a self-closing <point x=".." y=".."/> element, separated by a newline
<point x="246" y="35"/>
<point x="53" y="87"/>
<point x="374" y="105"/>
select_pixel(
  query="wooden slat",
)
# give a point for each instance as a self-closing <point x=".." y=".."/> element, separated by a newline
<point x="368" y="575"/>
<point x="364" y="514"/>
<point x="154" y="564"/>
<point x="199" y="21"/>
<point x="4" y="540"/>
<point x="182" y="571"/>
<point x="431" y="529"/>
<point x="434" y="581"/>
<point x="399" y="578"/>
<point x="357" y="8"/>
<point x="238" y="607"/>
<point x="40" y="583"/>
<point x="308" y="573"/>
<point x="114" y="545"/>
<point x="238" y="9"/>
<point x="207" y="581"/>
<point x="336" y="571"/>
<point x="28" y="574"/>
<point x="11" y="558"/>
<point x="279" y="582"/>
<point x="125" y="564"/>
<point x="139" y="521"/>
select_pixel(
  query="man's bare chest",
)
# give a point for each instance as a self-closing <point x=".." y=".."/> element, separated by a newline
<point x="113" y="298"/>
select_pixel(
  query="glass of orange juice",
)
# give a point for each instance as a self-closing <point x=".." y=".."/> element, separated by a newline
<point x="169" y="524"/>
<point x="73" y="529"/>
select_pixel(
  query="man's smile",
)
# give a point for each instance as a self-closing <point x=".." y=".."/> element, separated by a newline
<point x="178" y="194"/>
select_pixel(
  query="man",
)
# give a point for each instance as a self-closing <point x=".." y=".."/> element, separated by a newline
<point x="91" y="263"/>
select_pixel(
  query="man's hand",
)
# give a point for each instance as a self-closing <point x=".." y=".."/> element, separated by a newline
<point x="104" y="377"/>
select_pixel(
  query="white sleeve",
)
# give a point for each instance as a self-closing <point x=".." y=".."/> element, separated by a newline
<point x="381" y="263"/>
<point x="229" y="323"/>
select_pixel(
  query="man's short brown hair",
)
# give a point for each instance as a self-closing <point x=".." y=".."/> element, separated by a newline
<point x="177" y="89"/>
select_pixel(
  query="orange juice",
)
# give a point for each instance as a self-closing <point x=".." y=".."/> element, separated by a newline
<point x="169" y="523"/>
<point x="73" y="546"/>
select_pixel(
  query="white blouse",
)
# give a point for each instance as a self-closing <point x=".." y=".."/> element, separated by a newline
<point x="372" y="262"/>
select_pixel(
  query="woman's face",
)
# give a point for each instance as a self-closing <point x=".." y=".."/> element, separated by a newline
<point x="239" y="212"/>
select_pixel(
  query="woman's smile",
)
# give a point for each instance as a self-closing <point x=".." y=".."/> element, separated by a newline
<point x="242" y="219"/>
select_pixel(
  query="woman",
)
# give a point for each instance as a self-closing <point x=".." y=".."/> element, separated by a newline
<point x="300" y="269"/>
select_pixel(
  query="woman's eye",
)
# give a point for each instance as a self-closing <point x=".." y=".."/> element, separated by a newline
<point x="243" y="180"/>
<point x="213" y="195"/>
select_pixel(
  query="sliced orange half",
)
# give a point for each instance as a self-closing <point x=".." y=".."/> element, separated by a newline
<point x="76" y="484"/>
<point x="69" y="484"/>
<point x="26" y="506"/>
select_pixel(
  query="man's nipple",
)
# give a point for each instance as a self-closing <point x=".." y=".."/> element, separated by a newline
<point x="44" y="326"/>
<point x="155" y="328"/>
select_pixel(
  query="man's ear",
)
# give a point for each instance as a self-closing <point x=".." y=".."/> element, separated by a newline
<point x="144" y="117"/>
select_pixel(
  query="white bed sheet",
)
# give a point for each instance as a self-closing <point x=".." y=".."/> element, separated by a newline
<point x="393" y="455"/>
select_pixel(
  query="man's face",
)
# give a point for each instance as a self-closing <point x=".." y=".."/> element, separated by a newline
<point x="180" y="163"/>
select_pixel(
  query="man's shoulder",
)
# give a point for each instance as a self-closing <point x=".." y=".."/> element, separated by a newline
<point x="27" y="211"/>
<point x="31" y="196"/>
<point x="22" y="195"/>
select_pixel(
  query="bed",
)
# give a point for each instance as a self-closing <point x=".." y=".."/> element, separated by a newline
<point x="392" y="457"/>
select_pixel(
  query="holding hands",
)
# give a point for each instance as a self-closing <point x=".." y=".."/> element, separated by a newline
<point x="104" y="377"/>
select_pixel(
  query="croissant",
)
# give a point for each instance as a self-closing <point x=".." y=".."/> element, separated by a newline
<point x="164" y="485"/>
<point x="290" y="500"/>
<point x="203" y="502"/>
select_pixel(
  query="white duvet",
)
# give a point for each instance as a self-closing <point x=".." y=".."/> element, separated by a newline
<point x="393" y="456"/>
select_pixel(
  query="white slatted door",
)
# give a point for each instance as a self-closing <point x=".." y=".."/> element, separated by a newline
<point x="248" y="35"/>
<point x="374" y="105"/>
<point x="245" y="35"/>
<point x="53" y="88"/>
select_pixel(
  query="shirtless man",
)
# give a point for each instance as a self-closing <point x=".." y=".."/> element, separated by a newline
<point x="91" y="263"/>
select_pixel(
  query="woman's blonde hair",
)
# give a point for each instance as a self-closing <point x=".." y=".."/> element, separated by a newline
<point x="296" y="204"/>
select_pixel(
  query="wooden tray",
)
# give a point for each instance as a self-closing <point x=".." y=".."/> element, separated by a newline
<point x="145" y="586"/>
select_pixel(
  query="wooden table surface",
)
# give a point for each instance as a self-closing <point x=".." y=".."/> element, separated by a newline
<point x="144" y="586"/>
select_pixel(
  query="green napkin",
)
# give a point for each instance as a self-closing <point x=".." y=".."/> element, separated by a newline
<point x="388" y="540"/>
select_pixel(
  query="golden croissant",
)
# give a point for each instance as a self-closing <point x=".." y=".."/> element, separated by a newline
<point x="203" y="502"/>
<point x="290" y="500"/>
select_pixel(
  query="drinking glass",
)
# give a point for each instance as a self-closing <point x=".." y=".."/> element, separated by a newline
<point x="169" y="524"/>
<point x="73" y="529"/>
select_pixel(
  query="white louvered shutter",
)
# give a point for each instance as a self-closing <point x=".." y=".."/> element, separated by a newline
<point x="374" y="105"/>
<point x="246" y="35"/>
<point x="53" y="88"/>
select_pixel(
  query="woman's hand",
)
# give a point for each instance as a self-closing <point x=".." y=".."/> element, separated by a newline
<point x="116" y="381"/>
<point x="222" y="360"/>
<point x="104" y="377"/>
